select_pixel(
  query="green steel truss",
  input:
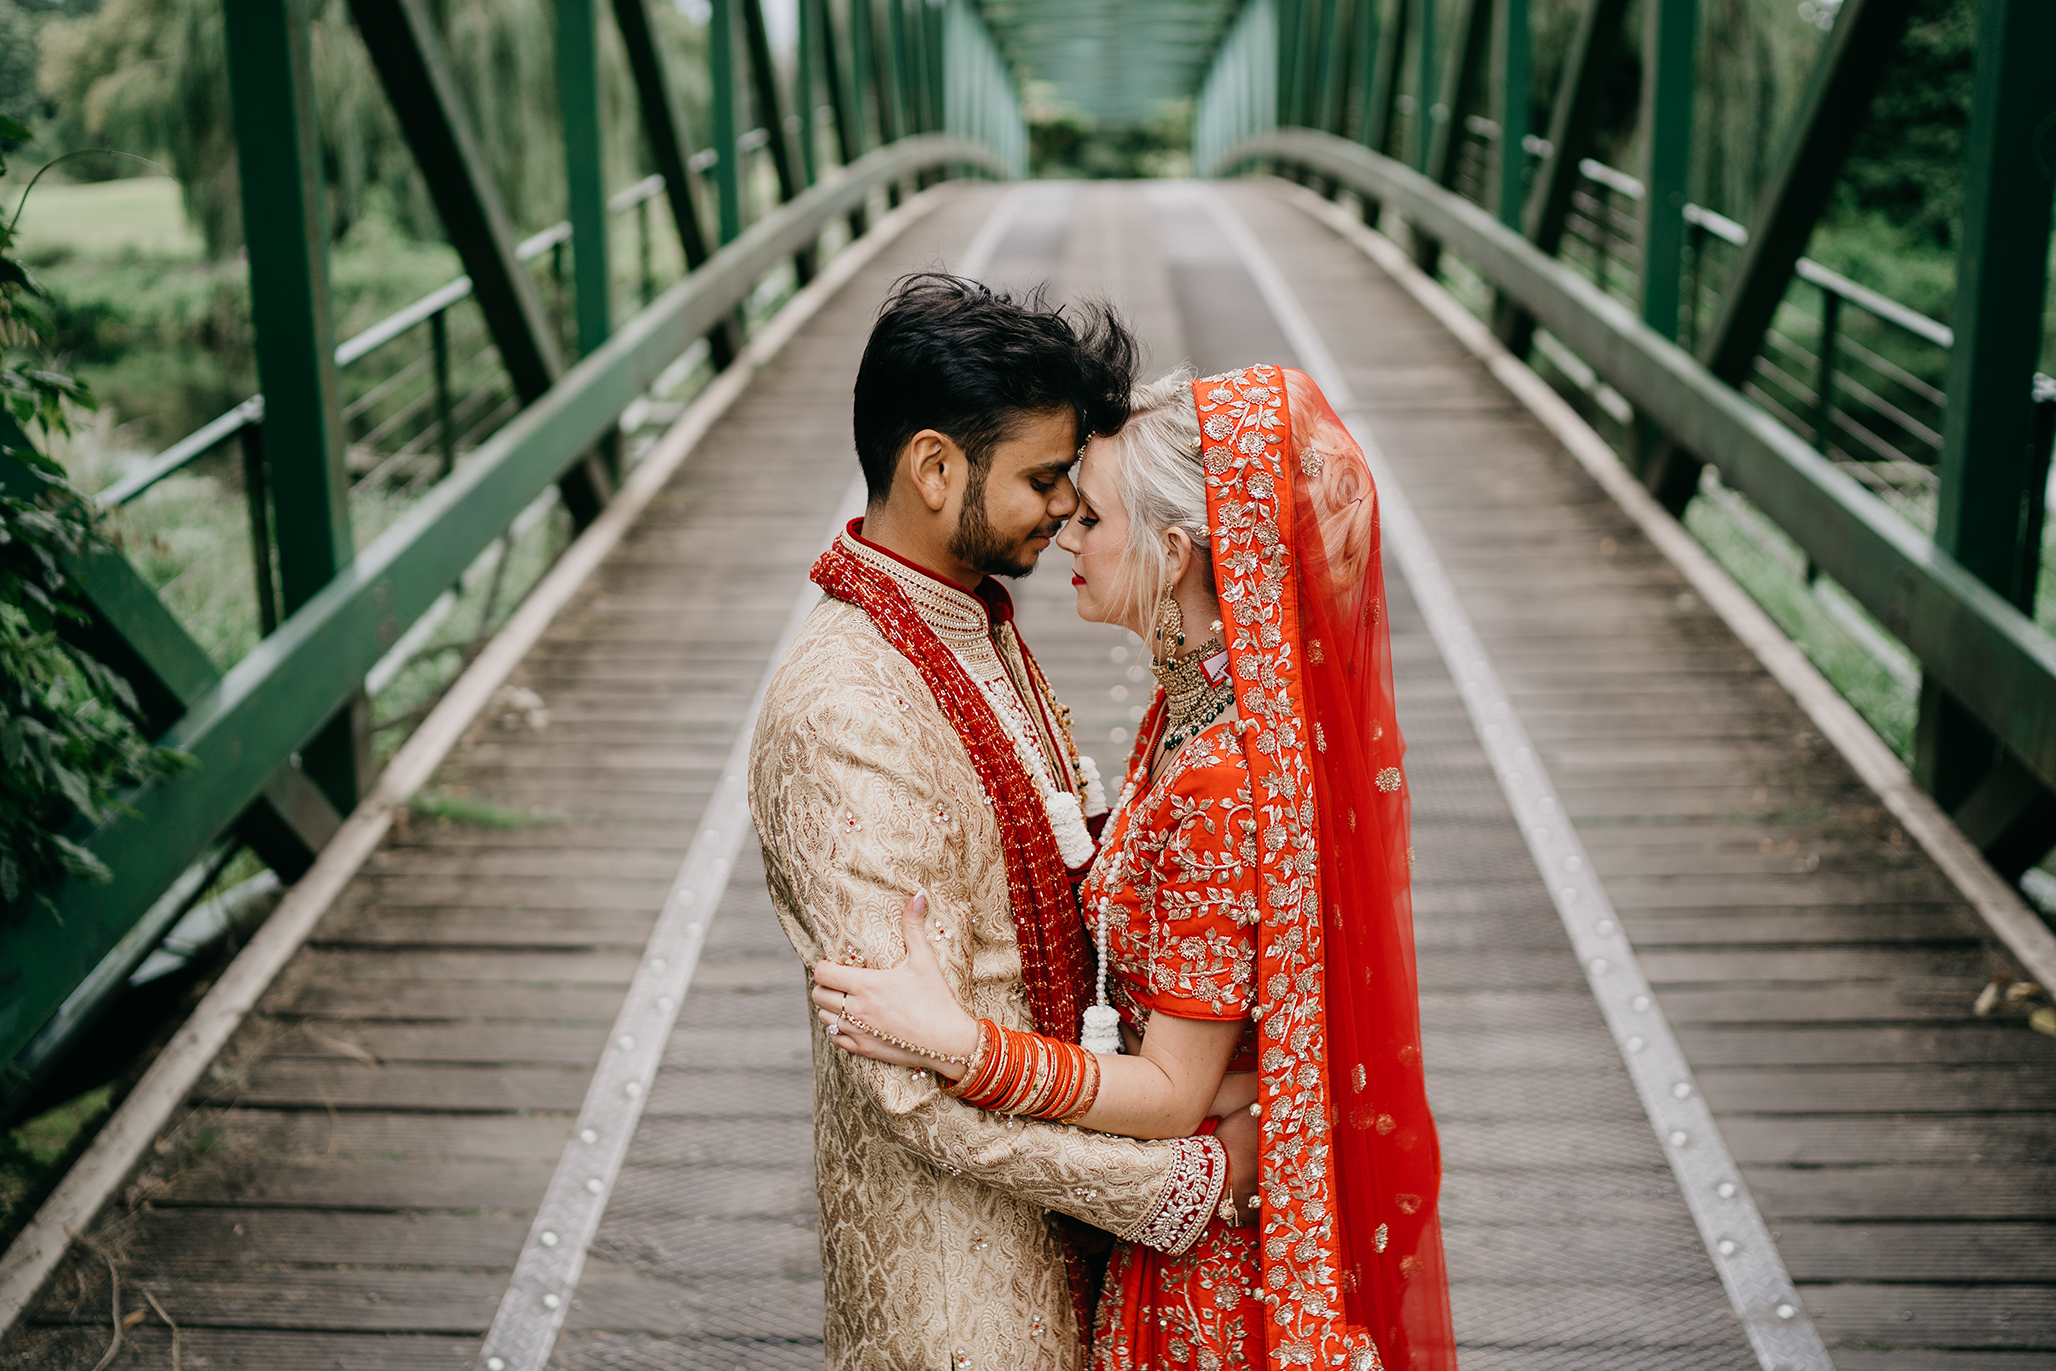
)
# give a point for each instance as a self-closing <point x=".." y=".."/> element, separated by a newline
<point x="1959" y="600"/>
<point x="1115" y="60"/>
<point x="280" y="738"/>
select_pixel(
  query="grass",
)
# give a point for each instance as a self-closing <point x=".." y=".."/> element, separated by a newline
<point x="31" y="1152"/>
<point x="457" y="807"/>
<point x="141" y="214"/>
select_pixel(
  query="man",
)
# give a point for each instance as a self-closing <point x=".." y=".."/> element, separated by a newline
<point x="909" y="743"/>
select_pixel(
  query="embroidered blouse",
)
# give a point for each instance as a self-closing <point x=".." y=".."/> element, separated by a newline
<point x="1177" y="879"/>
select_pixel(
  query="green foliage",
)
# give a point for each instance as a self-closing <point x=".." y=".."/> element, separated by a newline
<point x="1906" y="169"/>
<point x="150" y="77"/>
<point x="1064" y="142"/>
<point x="68" y="738"/>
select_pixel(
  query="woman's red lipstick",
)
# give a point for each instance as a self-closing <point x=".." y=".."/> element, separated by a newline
<point x="1077" y="580"/>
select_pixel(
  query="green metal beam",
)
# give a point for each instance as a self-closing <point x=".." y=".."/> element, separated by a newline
<point x="1383" y="99"/>
<point x="578" y="99"/>
<point x="1461" y="76"/>
<point x="403" y="46"/>
<point x="1426" y="96"/>
<point x="1513" y="80"/>
<point x="285" y="228"/>
<point x="1832" y="111"/>
<point x="770" y="100"/>
<point x="661" y="125"/>
<point x="728" y="156"/>
<point x="892" y="67"/>
<point x="805" y="58"/>
<point x="1573" y="127"/>
<point x="1975" y="643"/>
<point x="243" y="725"/>
<point x="1989" y="466"/>
<point x="1363" y="65"/>
<point x="670" y="150"/>
<point x="1670" y="36"/>
<point x="845" y="90"/>
<point x="402" y="42"/>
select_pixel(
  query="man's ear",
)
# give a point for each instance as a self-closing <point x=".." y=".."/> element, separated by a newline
<point x="931" y="463"/>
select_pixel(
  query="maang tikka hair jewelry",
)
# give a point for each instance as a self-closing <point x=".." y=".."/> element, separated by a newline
<point x="1196" y="686"/>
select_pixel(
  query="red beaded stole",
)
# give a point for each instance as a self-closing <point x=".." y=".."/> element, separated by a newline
<point x="1056" y="960"/>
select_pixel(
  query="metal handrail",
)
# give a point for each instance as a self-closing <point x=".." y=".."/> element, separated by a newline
<point x="215" y="432"/>
<point x="240" y="727"/>
<point x="1968" y="638"/>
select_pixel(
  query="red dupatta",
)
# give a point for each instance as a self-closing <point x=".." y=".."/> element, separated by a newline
<point x="1353" y="1270"/>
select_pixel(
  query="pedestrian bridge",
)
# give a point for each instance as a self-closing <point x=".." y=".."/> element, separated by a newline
<point x="1724" y="1026"/>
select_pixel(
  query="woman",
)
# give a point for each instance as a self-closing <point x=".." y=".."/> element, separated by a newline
<point x="1250" y="898"/>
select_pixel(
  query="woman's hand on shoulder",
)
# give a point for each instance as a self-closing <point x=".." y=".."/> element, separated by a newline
<point x="905" y="1015"/>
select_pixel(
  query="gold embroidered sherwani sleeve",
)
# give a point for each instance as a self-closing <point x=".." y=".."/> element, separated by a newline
<point x="862" y="794"/>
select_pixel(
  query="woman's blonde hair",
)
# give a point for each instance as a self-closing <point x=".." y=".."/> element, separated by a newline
<point x="1161" y="486"/>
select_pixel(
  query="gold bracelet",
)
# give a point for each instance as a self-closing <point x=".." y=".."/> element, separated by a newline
<point x="903" y="1045"/>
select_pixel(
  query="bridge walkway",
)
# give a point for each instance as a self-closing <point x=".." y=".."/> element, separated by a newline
<point x="360" y="1184"/>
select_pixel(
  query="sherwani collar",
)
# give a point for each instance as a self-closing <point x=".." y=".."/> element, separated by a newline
<point x="966" y="620"/>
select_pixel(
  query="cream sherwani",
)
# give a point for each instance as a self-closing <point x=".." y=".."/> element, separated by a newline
<point x="936" y="1241"/>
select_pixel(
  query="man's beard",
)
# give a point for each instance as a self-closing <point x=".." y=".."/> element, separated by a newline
<point x="977" y="544"/>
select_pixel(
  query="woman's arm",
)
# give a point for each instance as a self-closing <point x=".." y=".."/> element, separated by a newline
<point x="1166" y="1091"/>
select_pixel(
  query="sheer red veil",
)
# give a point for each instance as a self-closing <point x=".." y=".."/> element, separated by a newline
<point x="1352" y="1246"/>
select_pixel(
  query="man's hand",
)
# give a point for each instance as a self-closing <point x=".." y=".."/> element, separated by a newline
<point x="1239" y="1133"/>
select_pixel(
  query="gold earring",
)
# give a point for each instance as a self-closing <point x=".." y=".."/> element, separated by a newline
<point x="1170" y="625"/>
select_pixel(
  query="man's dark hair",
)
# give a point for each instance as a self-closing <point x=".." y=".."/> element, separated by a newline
<point x="968" y="361"/>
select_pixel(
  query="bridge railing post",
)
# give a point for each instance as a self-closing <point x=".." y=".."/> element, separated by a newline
<point x="1988" y="461"/>
<point x="285" y="226"/>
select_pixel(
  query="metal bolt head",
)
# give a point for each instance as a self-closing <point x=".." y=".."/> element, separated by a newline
<point x="548" y="1239"/>
<point x="551" y="1301"/>
<point x="1786" y="1311"/>
<point x="588" y="1137"/>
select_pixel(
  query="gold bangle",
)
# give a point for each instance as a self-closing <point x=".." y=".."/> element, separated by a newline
<point x="1088" y="1094"/>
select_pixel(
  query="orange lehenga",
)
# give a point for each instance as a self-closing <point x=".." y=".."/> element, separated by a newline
<point x="1263" y="875"/>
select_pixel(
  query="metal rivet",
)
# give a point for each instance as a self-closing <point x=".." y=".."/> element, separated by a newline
<point x="634" y="1088"/>
<point x="1604" y="928"/>
<point x="1539" y="833"/>
<point x="551" y="1301"/>
<point x="588" y="1136"/>
<point x="1726" y="1190"/>
<point x="1568" y="895"/>
<point x="495" y="1364"/>
<point x="594" y="1185"/>
<point x="548" y="1239"/>
<point x="1786" y="1311"/>
<point x="1600" y="965"/>
<point x="627" y="1042"/>
<point x="1682" y="1090"/>
<point x="1573" y="862"/>
<point x="657" y="964"/>
<point x="1640" y="1004"/>
<point x="1726" y="1247"/>
<point x="1634" y="1044"/>
<point x="664" y="1003"/>
<point x="1679" y="1137"/>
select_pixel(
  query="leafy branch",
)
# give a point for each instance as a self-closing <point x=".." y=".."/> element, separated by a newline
<point x="70" y="740"/>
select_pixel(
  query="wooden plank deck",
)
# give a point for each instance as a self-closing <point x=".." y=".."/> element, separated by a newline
<point x="354" y="1188"/>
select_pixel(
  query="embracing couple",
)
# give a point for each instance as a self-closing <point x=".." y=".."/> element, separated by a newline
<point x="1123" y="1088"/>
